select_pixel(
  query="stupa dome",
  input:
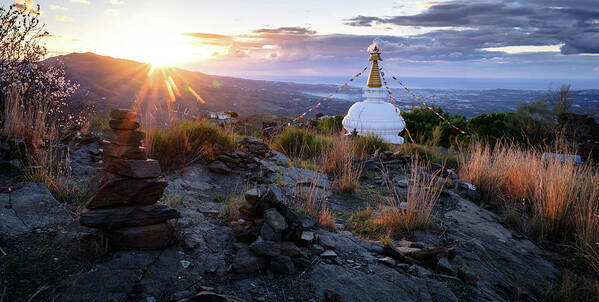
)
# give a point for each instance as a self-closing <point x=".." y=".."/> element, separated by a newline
<point x="375" y="115"/>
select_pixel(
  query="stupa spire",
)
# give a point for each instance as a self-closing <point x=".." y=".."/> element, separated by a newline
<point x="374" y="80"/>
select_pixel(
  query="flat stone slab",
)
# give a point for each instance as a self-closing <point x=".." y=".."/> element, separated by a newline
<point x="134" y="168"/>
<point x="127" y="216"/>
<point x="123" y="151"/>
<point x="126" y="137"/>
<point x="29" y="208"/>
<point x="123" y="124"/>
<point x="127" y="191"/>
<point x="123" y="114"/>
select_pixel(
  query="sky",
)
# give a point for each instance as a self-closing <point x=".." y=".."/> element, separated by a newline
<point x="532" y="39"/>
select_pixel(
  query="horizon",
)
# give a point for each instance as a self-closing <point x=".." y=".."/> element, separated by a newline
<point x="419" y="39"/>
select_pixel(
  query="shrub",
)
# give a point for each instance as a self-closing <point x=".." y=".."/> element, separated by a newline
<point x="362" y="223"/>
<point x="427" y="128"/>
<point x="368" y="144"/>
<point x="559" y="198"/>
<point x="331" y="125"/>
<point x="337" y="161"/>
<point x="415" y="212"/>
<point x="431" y="154"/>
<point x="185" y="142"/>
<point x="301" y="143"/>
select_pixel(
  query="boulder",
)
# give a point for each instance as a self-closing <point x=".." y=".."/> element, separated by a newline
<point x="266" y="248"/>
<point x="275" y="220"/>
<point x="127" y="191"/>
<point x="148" y="237"/>
<point x="123" y="124"/>
<point x="248" y="262"/>
<point x="282" y="264"/>
<point x="267" y="233"/>
<point x="123" y="114"/>
<point x="123" y="151"/>
<point x="127" y="216"/>
<point x="274" y="195"/>
<point x="134" y="168"/>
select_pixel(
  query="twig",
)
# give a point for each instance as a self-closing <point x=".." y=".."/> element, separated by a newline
<point x="39" y="290"/>
<point x="2" y="251"/>
<point x="3" y="291"/>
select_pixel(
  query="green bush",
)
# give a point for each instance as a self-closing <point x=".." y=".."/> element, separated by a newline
<point x="368" y="144"/>
<point x="331" y="124"/>
<point x="432" y="154"/>
<point x="301" y="143"/>
<point x="185" y="142"/>
<point x="427" y="128"/>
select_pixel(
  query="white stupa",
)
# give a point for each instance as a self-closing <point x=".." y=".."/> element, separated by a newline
<point x="375" y="115"/>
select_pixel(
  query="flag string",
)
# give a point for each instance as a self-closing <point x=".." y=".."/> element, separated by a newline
<point x="419" y="99"/>
<point x="301" y="116"/>
<point x="395" y="104"/>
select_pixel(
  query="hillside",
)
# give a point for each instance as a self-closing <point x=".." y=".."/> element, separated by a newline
<point x="108" y="82"/>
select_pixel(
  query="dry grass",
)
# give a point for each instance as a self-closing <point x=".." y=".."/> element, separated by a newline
<point x="337" y="161"/>
<point x="27" y="120"/>
<point x="415" y="210"/>
<point x="311" y="201"/>
<point x="185" y="142"/>
<point x="559" y="198"/>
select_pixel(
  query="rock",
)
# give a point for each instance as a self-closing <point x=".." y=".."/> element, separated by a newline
<point x="444" y="267"/>
<point x="274" y="195"/>
<point x="29" y="208"/>
<point x="248" y="262"/>
<point x="419" y="271"/>
<point x="306" y="238"/>
<point x="149" y="237"/>
<point x="388" y="261"/>
<point x="252" y="196"/>
<point x="248" y="211"/>
<point x="111" y="150"/>
<point x="127" y="191"/>
<point x="123" y="114"/>
<point x="219" y="167"/>
<point x="307" y="222"/>
<point x="403" y="266"/>
<point x="209" y="296"/>
<point x="316" y="250"/>
<point x="275" y="220"/>
<point x="267" y="233"/>
<point x="465" y="276"/>
<point x="326" y="242"/>
<point x="266" y="248"/>
<point x="282" y="264"/>
<point x="126" y="137"/>
<point x="127" y="216"/>
<point x="328" y="254"/>
<point x="133" y="168"/>
<point x="396" y="251"/>
<point x="289" y="248"/>
<point x="249" y="234"/>
<point x="123" y="124"/>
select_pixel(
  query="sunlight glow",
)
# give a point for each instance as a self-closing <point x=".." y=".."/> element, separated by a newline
<point x="526" y="48"/>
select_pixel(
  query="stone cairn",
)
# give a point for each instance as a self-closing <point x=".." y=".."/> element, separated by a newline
<point x="124" y="206"/>
<point x="273" y="235"/>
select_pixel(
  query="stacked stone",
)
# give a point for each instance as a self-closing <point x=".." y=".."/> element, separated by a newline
<point x="125" y="206"/>
<point x="279" y="237"/>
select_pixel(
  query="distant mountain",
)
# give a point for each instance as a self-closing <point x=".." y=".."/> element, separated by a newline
<point x="109" y="83"/>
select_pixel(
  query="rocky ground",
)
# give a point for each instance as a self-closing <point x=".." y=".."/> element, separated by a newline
<point x="475" y="257"/>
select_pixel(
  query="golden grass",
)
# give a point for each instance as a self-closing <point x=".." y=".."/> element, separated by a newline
<point x="337" y="161"/>
<point x="312" y="202"/>
<point x="561" y="199"/>
<point x="415" y="210"/>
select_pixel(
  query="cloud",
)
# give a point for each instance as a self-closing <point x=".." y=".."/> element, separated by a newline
<point x="80" y="1"/>
<point x="596" y="68"/>
<point x="116" y="2"/>
<point x="57" y="7"/>
<point x="112" y="12"/>
<point x="64" y="18"/>
<point x="472" y="26"/>
<point x="285" y="30"/>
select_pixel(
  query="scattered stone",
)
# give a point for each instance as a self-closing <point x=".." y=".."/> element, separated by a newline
<point x="306" y="238"/>
<point x="444" y="267"/>
<point x="266" y="248"/>
<point x="275" y="220"/>
<point x="184" y="263"/>
<point x="282" y="264"/>
<point x="326" y="242"/>
<point x="388" y="261"/>
<point x="219" y="167"/>
<point x="316" y="249"/>
<point x="328" y="254"/>
<point x="248" y="262"/>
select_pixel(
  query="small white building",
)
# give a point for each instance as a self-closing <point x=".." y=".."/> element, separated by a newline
<point x="375" y="115"/>
<point x="219" y="116"/>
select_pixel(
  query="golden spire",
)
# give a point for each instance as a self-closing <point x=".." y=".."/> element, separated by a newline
<point x="374" y="80"/>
